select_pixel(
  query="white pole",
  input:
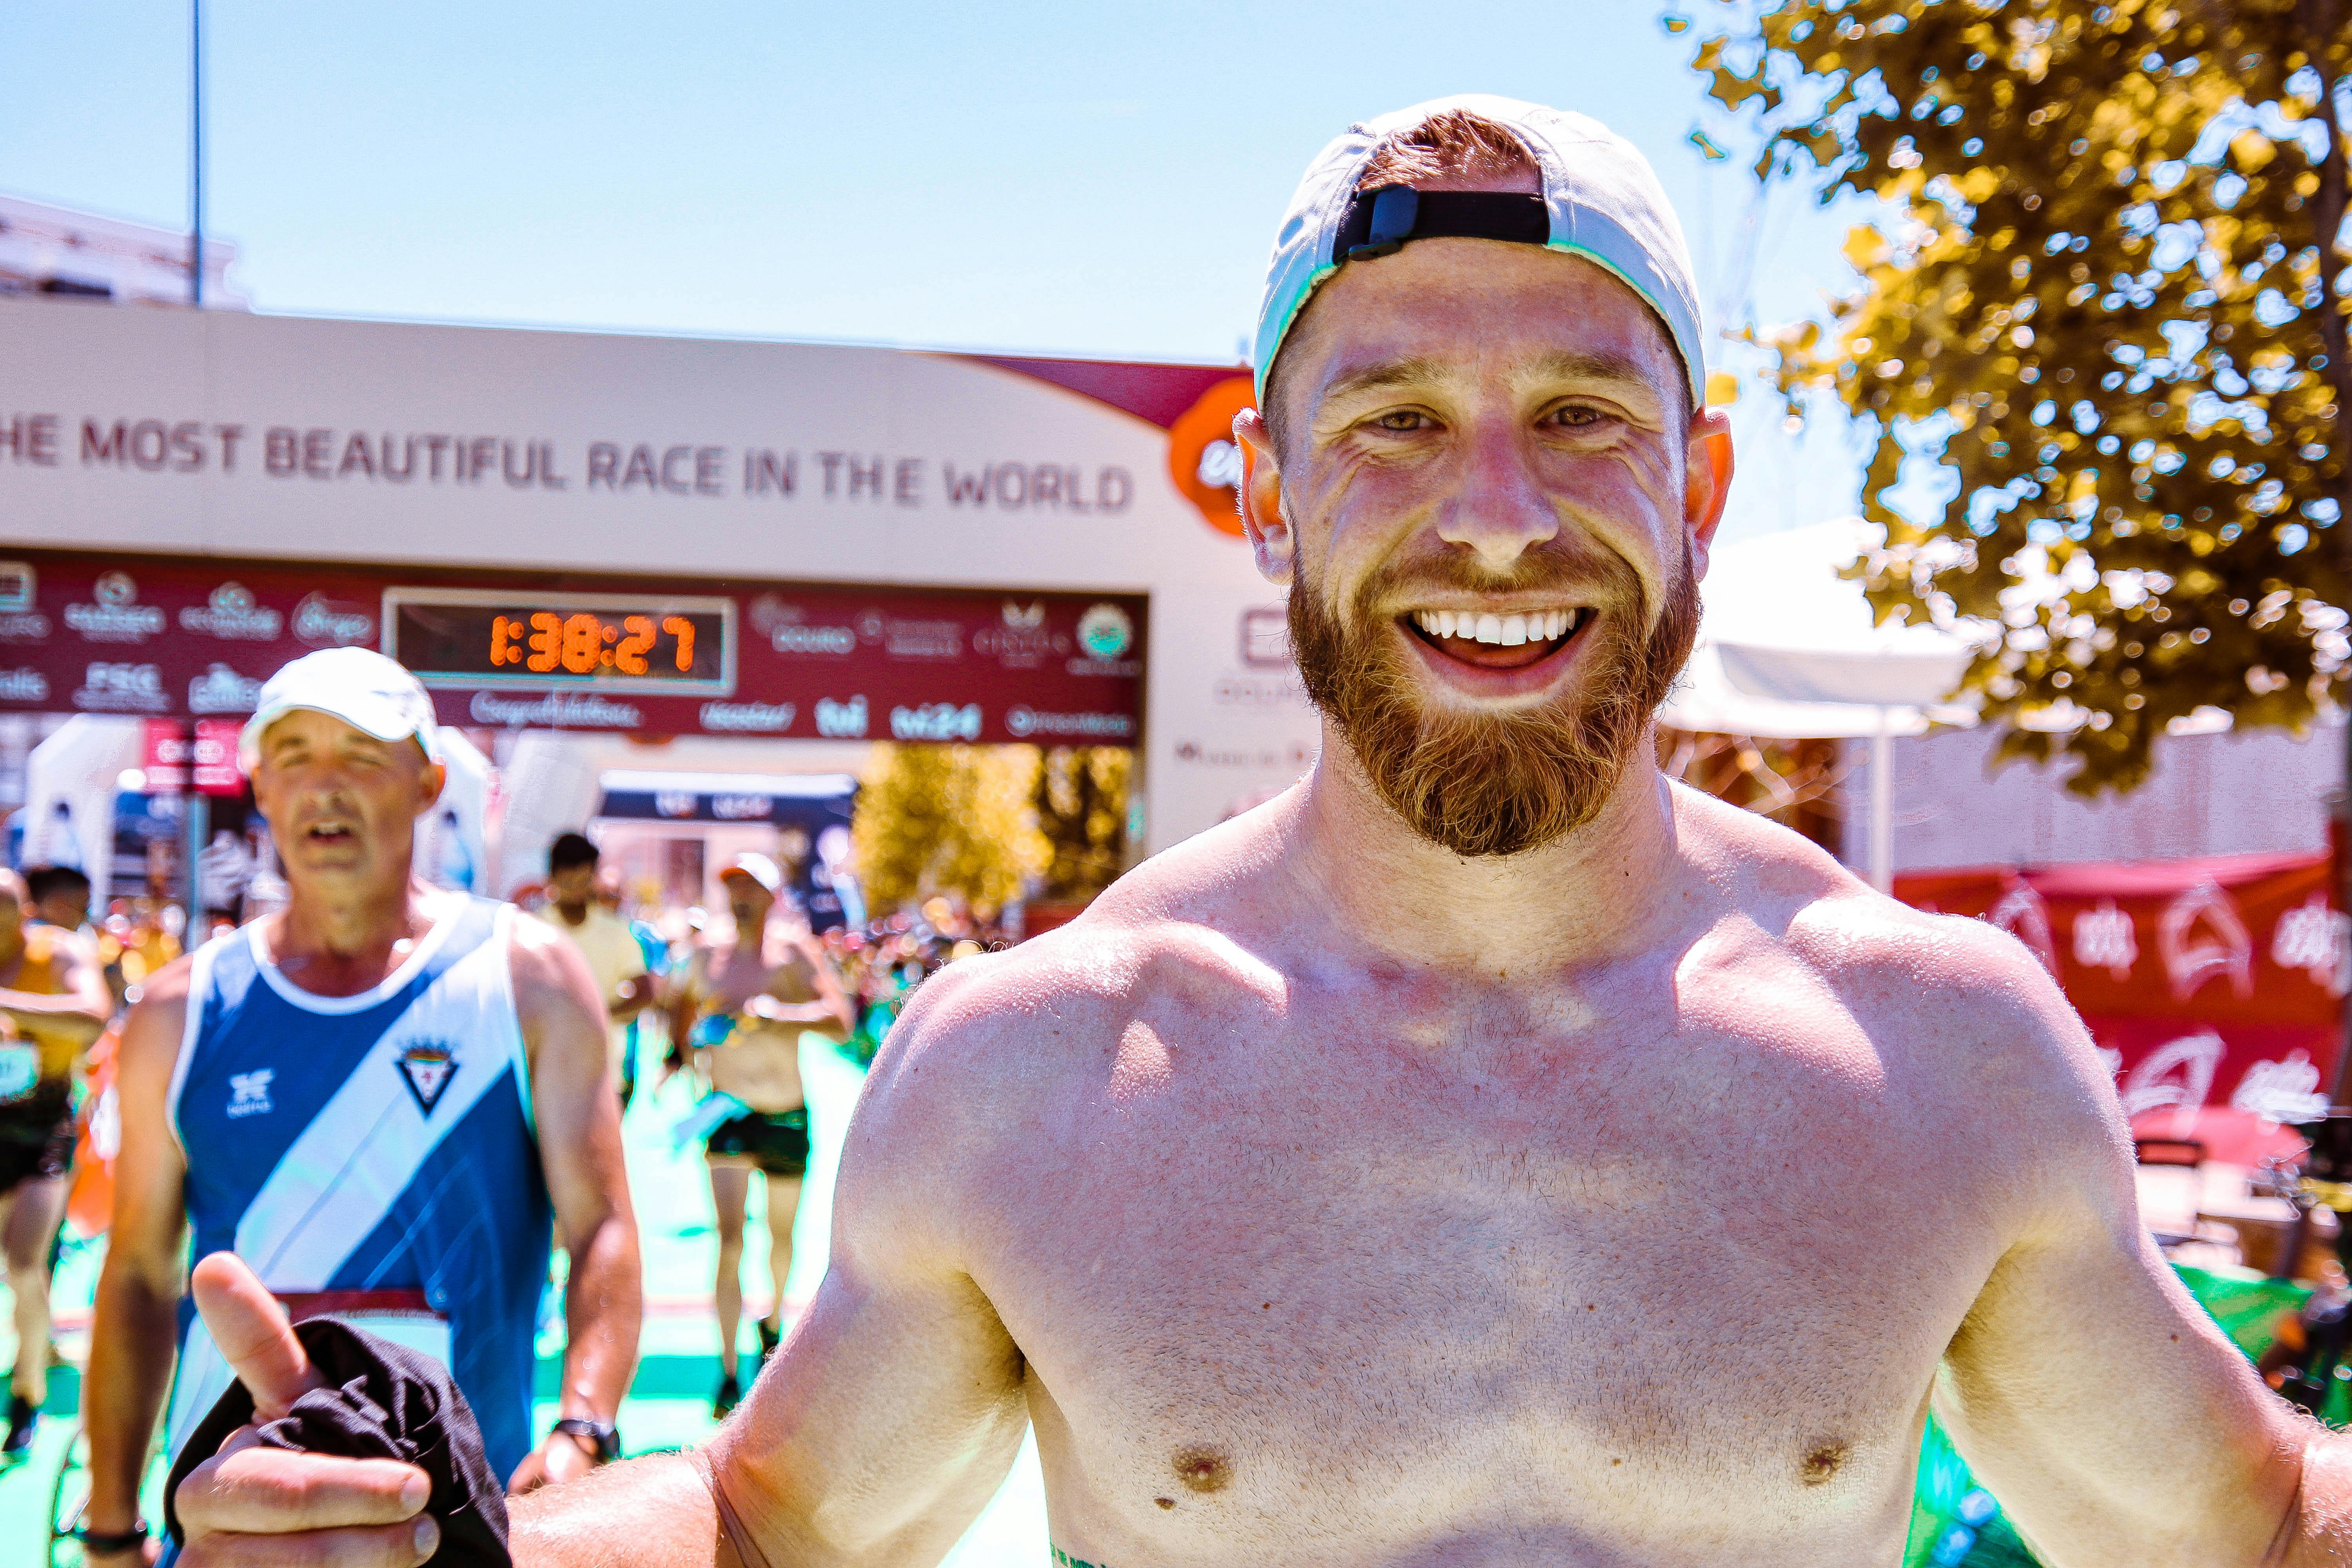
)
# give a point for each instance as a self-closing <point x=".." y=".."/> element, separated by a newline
<point x="1881" y="807"/>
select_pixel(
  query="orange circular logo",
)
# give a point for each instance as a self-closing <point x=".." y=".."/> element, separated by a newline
<point x="1202" y="457"/>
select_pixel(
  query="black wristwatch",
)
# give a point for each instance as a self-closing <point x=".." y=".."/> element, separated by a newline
<point x="106" y="1543"/>
<point x="603" y="1434"/>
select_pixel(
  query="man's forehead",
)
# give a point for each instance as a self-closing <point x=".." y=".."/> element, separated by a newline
<point x="1464" y="310"/>
<point x="312" y="724"/>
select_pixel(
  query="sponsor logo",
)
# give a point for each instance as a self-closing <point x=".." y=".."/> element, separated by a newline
<point x="2104" y="939"/>
<point x="1298" y="757"/>
<point x="25" y="685"/>
<point x="1021" y="618"/>
<point x="2203" y="939"/>
<point x="558" y="708"/>
<point x="673" y="801"/>
<point x="1203" y="460"/>
<point x="2282" y="1091"/>
<point x="935" y="722"/>
<point x="1026" y="721"/>
<point x="794" y="638"/>
<point x="2315" y="939"/>
<point x="426" y="1067"/>
<point x="787" y="632"/>
<point x="322" y="622"/>
<point x="30" y="626"/>
<point x="248" y="1092"/>
<point x="841" y="720"/>
<point x="221" y="689"/>
<point x="912" y="639"/>
<point x="1261" y="691"/>
<point x="1021" y="641"/>
<point x="765" y="718"/>
<point x="123" y="689"/>
<point x="1105" y="631"/>
<point x="741" y="807"/>
<point x="117" y="616"/>
<point x="1266" y="638"/>
<point x="17" y="582"/>
<point x="230" y="612"/>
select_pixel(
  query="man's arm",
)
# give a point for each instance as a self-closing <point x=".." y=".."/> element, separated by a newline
<point x="875" y="1436"/>
<point x="78" y="1013"/>
<point x="804" y="990"/>
<point x="579" y="1121"/>
<point x="2091" y="1395"/>
<point x="132" y="1331"/>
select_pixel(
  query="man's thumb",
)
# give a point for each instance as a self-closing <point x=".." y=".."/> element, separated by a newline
<point x="250" y="1328"/>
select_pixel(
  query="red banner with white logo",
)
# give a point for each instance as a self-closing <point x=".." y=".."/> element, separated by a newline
<point x="2213" y="988"/>
<point x="181" y="640"/>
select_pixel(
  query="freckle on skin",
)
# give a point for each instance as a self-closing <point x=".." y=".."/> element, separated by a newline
<point x="1165" y="1501"/>
<point x="1203" y="1469"/>
<point x="1822" y="1462"/>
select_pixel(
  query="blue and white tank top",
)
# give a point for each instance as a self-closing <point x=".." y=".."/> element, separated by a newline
<point x="375" y="1142"/>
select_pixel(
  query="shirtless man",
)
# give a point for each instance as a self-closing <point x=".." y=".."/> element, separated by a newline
<point x="1486" y="1153"/>
<point x="53" y="1004"/>
<point x="744" y="1005"/>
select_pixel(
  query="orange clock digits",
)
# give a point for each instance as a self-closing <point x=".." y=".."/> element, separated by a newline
<point x="583" y="644"/>
<point x="546" y="643"/>
<point x="682" y="630"/>
<point x="629" y="659"/>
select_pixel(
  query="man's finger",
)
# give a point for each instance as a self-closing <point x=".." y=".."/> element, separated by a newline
<point x="281" y="1491"/>
<point x="250" y="1328"/>
<point x="384" y="1546"/>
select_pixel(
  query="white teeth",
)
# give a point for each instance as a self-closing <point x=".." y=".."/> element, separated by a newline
<point x="1505" y="631"/>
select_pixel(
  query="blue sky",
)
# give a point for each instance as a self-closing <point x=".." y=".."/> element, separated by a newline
<point x="1096" y="180"/>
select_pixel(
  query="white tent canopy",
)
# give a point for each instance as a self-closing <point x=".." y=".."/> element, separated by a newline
<point x="1787" y="650"/>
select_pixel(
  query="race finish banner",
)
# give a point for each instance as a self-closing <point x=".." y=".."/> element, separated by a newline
<point x="186" y="637"/>
<point x="2213" y="988"/>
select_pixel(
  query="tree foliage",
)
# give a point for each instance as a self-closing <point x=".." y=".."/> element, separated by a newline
<point x="2109" y="303"/>
<point x="938" y="819"/>
<point x="1081" y="807"/>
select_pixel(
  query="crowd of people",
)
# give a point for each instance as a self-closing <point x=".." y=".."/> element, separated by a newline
<point x="308" y="1090"/>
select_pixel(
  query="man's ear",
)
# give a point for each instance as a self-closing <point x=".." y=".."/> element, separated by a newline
<point x="429" y="785"/>
<point x="1706" y="482"/>
<point x="1263" y="519"/>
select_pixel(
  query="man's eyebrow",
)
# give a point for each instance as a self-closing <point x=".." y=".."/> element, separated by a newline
<point x="1602" y="366"/>
<point x="1414" y="370"/>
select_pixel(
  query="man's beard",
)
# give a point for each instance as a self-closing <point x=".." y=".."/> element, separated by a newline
<point x="1482" y="784"/>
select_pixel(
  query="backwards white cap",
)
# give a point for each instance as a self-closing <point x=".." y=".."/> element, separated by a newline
<point x="360" y="687"/>
<point x="1601" y="201"/>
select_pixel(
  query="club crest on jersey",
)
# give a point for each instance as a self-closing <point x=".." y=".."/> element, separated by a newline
<point x="428" y="1066"/>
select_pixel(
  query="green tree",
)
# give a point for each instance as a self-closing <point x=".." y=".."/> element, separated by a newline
<point x="1081" y="806"/>
<point x="939" y="819"/>
<point x="2108" y="301"/>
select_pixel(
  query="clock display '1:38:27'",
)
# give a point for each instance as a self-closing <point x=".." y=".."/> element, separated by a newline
<point x="583" y="644"/>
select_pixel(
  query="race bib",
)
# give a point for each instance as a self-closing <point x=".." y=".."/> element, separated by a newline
<point x="20" y="1070"/>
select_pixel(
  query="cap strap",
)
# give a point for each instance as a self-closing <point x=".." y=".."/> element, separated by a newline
<point x="1379" y="221"/>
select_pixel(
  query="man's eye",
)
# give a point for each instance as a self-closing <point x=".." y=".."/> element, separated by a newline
<point x="1402" y="419"/>
<point x="1576" y="415"/>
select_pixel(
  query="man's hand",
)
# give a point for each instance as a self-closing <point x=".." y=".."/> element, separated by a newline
<point x="562" y="1457"/>
<point x="238" y="1507"/>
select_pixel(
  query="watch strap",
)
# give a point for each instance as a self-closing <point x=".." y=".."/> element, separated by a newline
<point x="603" y="1434"/>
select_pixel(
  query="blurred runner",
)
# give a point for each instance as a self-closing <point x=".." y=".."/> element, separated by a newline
<point x="606" y="941"/>
<point x="53" y="1004"/>
<point x="744" y="1005"/>
<point x="61" y="897"/>
<point x="655" y="953"/>
<point x="380" y="1097"/>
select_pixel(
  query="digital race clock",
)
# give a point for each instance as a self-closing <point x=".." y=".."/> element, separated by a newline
<point x="554" y="642"/>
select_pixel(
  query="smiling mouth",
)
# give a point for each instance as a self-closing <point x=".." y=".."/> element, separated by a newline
<point x="1489" y="640"/>
<point x="328" y="832"/>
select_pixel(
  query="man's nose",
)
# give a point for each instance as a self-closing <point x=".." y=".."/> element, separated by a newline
<point x="1499" y="509"/>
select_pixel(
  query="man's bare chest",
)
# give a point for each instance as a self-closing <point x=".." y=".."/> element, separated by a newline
<point x="1258" y="1275"/>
